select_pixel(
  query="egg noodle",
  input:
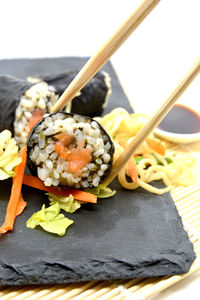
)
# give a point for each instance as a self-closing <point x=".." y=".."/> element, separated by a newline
<point x="152" y="161"/>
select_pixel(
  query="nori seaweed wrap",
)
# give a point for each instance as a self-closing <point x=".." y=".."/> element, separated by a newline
<point x="11" y="89"/>
<point x="69" y="150"/>
<point x="92" y="98"/>
<point x="20" y="101"/>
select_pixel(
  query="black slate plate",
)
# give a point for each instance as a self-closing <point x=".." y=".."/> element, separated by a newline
<point x="133" y="234"/>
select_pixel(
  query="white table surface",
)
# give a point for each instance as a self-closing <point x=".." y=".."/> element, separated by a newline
<point x="150" y="63"/>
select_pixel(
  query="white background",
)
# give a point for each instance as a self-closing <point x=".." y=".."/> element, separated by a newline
<point x="150" y="63"/>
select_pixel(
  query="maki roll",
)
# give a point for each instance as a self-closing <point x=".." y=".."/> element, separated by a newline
<point x="91" y="100"/>
<point x="70" y="150"/>
<point x="33" y="104"/>
<point x="11" y="89"/>
<point x="24" y="103"/>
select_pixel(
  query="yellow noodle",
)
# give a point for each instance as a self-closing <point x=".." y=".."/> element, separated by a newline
<point x="123" y="181"/>
<point x="152" y="189"/>
<point x="123" y="128"/>
<point x="142" y="165"/>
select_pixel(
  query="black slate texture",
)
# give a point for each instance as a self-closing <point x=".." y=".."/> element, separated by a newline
<point x="132" y="234"/>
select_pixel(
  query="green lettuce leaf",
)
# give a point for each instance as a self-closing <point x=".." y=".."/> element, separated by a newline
<point x="101" y="191"/>
<point x="50" y="220"/>
<point x="68" y="204"/>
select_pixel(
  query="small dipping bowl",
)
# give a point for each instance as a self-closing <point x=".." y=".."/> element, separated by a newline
<point x="181" y="125"/>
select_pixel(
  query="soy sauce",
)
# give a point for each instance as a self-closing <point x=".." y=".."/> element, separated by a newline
<point x="181" y="119"/>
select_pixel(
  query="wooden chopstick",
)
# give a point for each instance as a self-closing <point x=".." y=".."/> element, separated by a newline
<point x="96" y="62"/>
<point x="153" y="122"/>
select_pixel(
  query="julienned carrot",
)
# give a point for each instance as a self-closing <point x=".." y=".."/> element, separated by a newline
<point x="156" y="145"/>
<point x="21" y="205"/>
<point x="35" y="182"/>
<point x="132" y="170"/>
<point x="15" y="193"/>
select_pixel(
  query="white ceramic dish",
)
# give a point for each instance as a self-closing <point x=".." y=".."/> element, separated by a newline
<point x="177" y="137"/>
<point x="191" y="111"/>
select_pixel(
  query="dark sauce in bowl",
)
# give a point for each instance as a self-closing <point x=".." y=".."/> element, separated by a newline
<point x="181" y="119"/>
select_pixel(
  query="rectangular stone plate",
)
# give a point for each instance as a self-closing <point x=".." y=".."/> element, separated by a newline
<point x="132" y="234"/>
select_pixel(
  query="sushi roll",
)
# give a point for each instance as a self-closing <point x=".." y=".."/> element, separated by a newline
<point x="23" y="103"/>
<point x="33" y="104"/>
<point x="11" y="89"/>
<point x="69" y="150"/>
<point x="91" y="100"/>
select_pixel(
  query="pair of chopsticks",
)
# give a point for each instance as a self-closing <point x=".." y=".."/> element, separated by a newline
<point x="96" y="62"/>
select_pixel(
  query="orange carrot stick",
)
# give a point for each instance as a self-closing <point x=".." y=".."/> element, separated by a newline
<point x="35" y="182"/>
<point x="21" y="205"/>
<point x="15" y="193"/>
<point x="132" y="170"/>
<point x="156" y="145"/>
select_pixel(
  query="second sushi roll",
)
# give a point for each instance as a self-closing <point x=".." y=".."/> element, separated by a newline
<point x="70" y="150"/>
<point x="91" y="100"/>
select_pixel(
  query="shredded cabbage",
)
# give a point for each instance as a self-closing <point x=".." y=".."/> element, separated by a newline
<point x="50" y="220"/>
<point x="102" y="191"/>
<point x="68" y="204"/>
<point x="8" y="155"/>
